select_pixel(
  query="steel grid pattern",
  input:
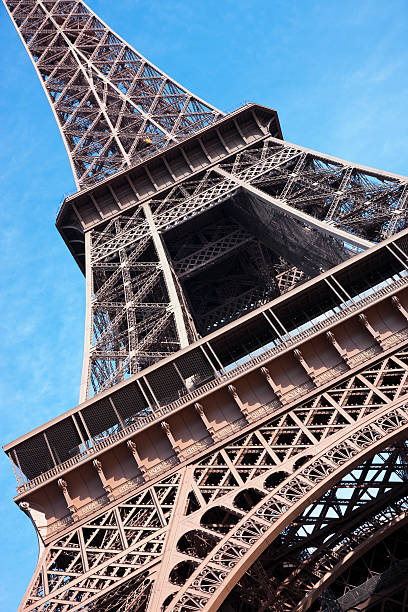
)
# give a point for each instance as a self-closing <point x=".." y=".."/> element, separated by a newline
<point x="232" y="498"/>
<point x="338" y="202"/>
<point x="328" y="537"/>
<point x="304" y="497"/>
<point x="377" y="578"/>
<point x="128" y="410"/>
<point x="113" y="107"/>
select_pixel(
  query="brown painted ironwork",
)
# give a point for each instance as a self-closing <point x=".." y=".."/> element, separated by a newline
<point x="240" y="442"/>
<point x="112" y="106"/>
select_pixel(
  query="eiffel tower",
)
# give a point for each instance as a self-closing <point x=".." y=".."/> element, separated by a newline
<point x="240" y="439"/>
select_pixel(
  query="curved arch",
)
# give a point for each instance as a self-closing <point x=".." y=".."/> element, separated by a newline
<point x="301" y="461"/>
<point x="332" y="552"/>
<point x="220" y="519"/>
<point x="248" y="498"/>
<point x="296" y="561"/>
<point x="238" y="550"/>
<point x="196" y="543"/>
<point x="182" y="571"/>
<point x="275" y="479"/>
<point x="375" y="536"/>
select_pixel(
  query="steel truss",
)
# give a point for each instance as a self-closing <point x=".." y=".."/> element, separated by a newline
<point x="292" y="511"/>
<point x="234" y="237"/>
<point x="113" y="107"/>
<point x="268" y="508"/>
<point x="377" y="578"/>
<point x="296" y="212"/>
<point x="353" y="516"/>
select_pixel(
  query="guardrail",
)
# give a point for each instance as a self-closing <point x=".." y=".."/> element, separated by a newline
<point x="160" y="412"/>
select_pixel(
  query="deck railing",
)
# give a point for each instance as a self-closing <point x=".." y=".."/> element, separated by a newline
<point x="160" y="412"/>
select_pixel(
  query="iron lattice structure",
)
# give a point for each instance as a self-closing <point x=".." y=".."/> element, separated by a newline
<point x="240" y="444"/>
<point x="113" y="107"/>
<point x="249" y="248"/>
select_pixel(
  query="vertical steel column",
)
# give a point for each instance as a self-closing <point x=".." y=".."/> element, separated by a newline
<point x="86" y="362"/>
<point x="168" y="278"/>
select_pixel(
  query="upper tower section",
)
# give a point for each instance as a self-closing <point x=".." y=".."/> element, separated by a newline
<point x="113" y="107"/>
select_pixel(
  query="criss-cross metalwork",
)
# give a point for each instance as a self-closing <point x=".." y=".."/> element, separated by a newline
<point x="207" y="517"/>
<point x="263" y="468"/>
<point x="113" y="107"/>
<point x="254" y="249"/>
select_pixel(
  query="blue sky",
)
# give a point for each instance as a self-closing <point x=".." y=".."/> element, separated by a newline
<point x="336" y="71"/>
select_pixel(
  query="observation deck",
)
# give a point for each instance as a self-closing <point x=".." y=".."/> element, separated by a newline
<point x="128" y="189"/>
<point x="226" y="382"/>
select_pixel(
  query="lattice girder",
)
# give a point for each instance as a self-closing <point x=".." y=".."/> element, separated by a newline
<point x="249" y="534"/>
<point x="135" y="316"/>
<point x="182" y="542"/>
<point x="262" y="189"/>
<point x="113" y="107"/>
<point x="374" y="576"/>
<point x="117" y="546"/>
<point x="352" y="420"/>
<point x="360" y="200"/>
<point x="325" y="539"/>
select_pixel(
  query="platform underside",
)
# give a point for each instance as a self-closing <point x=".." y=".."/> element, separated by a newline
<point x="240" y="444"/>
<point x="272" y="479"/>
<point x="209" y="230"/>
